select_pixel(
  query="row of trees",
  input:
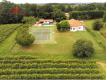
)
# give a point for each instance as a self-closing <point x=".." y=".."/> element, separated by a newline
<point x="86" y="14"/>
<point x="90" y="7"/>
<point x="56" y="11"/>
<point x="34" y="9"/>
<point x="10" y="13"/>
<point x="44" y="11"/>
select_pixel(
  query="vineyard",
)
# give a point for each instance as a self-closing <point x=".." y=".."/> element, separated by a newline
<point x="6" y="30"/>
<point x="34" y="68"/>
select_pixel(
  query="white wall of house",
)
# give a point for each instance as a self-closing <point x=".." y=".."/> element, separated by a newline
<point x="73" y="29"/>
<point x="79" y="28"/>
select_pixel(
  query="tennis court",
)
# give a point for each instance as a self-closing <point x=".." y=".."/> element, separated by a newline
<point x="42" y="35"/>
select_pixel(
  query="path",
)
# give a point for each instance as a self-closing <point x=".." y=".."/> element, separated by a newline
<point x="102" y="65"/>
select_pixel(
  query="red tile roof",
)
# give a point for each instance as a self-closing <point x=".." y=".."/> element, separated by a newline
<point x="75" y="23"/>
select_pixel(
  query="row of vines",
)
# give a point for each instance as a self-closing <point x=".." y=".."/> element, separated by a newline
<point x="34" y="68"/>
<point x="6" y="30"/>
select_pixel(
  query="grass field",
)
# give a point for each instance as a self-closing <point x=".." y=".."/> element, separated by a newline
<point x="63" y="47"/>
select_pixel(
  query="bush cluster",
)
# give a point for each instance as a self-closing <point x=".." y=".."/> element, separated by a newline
<point x="83" y="48"/>
<point x="23" y="37"/>
<point x="8" y="18"/>
<point x="97" y="25"/>
<point x="63" y="26"/>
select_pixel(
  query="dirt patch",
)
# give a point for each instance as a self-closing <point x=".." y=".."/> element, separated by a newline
<point x="102" y="66"/>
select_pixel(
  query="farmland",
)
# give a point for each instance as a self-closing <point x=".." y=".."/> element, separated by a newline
<point x="6" y="30"/>
<point x="27" y="67"/>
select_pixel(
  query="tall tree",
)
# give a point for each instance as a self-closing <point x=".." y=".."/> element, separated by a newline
<point x="58" y="15"/>
<point x="8" y="13"/>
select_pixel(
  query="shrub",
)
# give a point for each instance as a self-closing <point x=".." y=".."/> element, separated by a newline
<point x="83" y="48"/>
<point x="97" y="25"/>
<point x="63" y="26"/>
<point x="104" y="17"/>
<point x="30" y="20"/>
<point x="23" y="38"/>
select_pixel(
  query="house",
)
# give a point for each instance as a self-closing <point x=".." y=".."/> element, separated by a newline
<point x="76" y="25"/>
<point x="44" y="22"/>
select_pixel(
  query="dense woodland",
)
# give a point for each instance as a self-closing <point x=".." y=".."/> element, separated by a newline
<point x="13" y="13"/>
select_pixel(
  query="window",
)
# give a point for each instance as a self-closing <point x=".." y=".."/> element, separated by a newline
<point x="73" y="28"/>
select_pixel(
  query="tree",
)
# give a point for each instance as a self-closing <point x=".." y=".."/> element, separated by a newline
<point x="26" y="9"/>
<point x="5" y="6"/>
<point x="104" y="17"/>
<point x="69" y="8"/>
<point x="45" y="11"/>
<point x="58" y="15"/>
<point x="63" y="26"/>
<point x="90" y="7"/>
<point x="9" y="13"/>
<point x="15" y="10"/>
<point x="86" y="14"/>
<point x="97" y="25"/>
<point x="61" y="7"/>
<point x="23" y="38"/>
<point x="83" y="48"/>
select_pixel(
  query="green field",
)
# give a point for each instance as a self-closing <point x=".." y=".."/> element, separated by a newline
<point x="62" y="49"/>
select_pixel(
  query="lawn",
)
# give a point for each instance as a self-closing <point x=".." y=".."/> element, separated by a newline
<point x="62" y="49"/>
<point x="99" y="38"/>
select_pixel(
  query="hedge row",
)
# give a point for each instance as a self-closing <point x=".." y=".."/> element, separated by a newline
<point x="48" y="71"/>
<point x="29" y="68"/>
<point x="86" y="14"/>
<point x="44" y="61"/>
<point x="54" y="76"/>
<point x="46" y="65"/>
<point x="6" y="30"/>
